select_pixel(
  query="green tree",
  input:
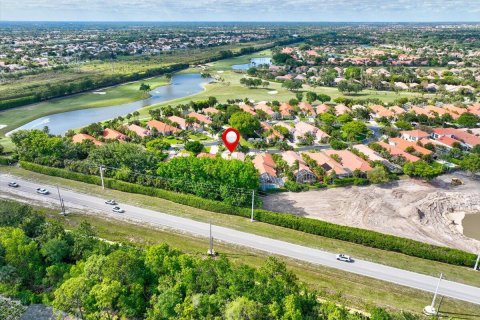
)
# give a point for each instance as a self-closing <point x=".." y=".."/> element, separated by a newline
<point x="422" y="169"/>
<point x="354" y="130"/>
<point x="55" y="250"/>
<point x="247" y="124"/>
<point x="243" y="308"/>
<point x="311" y="96"/>
<point x="145" y="87"/>
<point x="377" y="175"/>
<point x="194" y="146"/>
<point x="71" y="296"/>
<point x="468" y="120"/>
<point x="471" y="162"/>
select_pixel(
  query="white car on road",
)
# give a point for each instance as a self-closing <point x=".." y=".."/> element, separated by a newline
<point x="42" y="191"/>
<point x="344" y="258"/>
<point x="118" y="210"/>
<point x="13" y="184"/>
<point x="111" y="202"/>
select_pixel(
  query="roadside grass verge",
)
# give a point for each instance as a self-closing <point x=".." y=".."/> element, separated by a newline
<point x="394" y="259"/>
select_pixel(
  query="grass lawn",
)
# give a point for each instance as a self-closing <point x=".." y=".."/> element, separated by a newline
<point x="199" y="137"/>
<point x="454" y="273"/>
<point x="348" y="289"/>
<point x="125" y="93"/>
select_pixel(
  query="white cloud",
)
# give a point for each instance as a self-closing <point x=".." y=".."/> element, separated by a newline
<point x="280" y="10"/>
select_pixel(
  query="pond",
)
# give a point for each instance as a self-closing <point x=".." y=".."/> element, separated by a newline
<point x="471" y="225"/>
<point x="181" y="85"/>
<point x="253" y="62"/>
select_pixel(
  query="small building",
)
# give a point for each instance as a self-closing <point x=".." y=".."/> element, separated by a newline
<point x="162" y="128"/>
<point x="80" y="137"/>
<point x="139" y="131"/>
<point x="350" y="160"/>
<point x="414" y="135"/>
<point x="111" y="134"/>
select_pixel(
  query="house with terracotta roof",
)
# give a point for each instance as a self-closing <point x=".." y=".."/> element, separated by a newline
<point x="418" y="110"/>
<point x="203" y="119"/>
<point x="80" y="137"/>
<point x="286" y="110"/>
<point x="405" y="144"/>
<point x="414" y="135"/>
<point x="267" y="170"/>
<point x="181" y="122"/>
<point x="272" y="134"/>
<point x="397" y="110"/>
<point x="322" y="108"/>
<point x="307" y="108"/>
<point x="341" y="109"/>
<point x="303" y="174"/>
<point x="467" y="139"/>
<point x="395" y="151"/>
<point x="247" y="108"/>
<point x="139" y="131"/>
<point x="111" y="134"/>
<point x="302" y="128"/>
<point x="350" y="160"/>
<point x="210" y="110"/>
<point x="369" y="153"/>
<point x="380" y="111"/>
<point x="267" y="109"/>
<point x="162" y="128"/>
<point x="328" y="164"/>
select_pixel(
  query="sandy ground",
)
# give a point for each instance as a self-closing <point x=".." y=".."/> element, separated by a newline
<point x="429" y="212"/>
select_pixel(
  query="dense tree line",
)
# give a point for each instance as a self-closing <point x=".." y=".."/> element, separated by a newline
<point x="206" y="177"/>
<point x="91" y="279"/>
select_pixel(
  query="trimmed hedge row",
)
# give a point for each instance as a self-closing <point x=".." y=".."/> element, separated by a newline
<point x="321" y="228"/>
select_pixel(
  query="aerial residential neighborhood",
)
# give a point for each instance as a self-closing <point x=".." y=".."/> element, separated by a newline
<point x="239" y="161"/>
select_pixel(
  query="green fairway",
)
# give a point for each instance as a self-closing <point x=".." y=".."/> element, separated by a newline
<point x="121" y="94"/>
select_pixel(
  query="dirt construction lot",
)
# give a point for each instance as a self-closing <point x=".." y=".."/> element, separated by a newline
<point x="430" y="212"/>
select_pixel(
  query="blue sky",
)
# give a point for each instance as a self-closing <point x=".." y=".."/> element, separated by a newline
<point x="241" y="10"/>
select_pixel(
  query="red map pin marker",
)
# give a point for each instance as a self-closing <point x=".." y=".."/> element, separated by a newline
<point x="230" y="138"/>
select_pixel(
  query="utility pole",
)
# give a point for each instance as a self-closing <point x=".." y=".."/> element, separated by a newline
<point x="102" y="168"/>
<point x="62" y="204"/>
<point x="476" y="262"/>
<point x="211" y="251"/>
<point x="253" y="203"/>
<point x="430" y="310"/>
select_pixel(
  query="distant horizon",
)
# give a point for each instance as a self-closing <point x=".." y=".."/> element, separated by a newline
<point x="279" y="11"/>
<point x="247" y="21"/>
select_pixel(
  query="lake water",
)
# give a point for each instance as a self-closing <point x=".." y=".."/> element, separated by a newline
<point x="181" y="85"/>
<point x="471" y="225"/>
<point x="253" y="62"/>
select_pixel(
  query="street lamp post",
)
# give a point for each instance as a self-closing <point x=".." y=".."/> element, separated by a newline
<point x="477" y="262"/>
<point x="102" y="168"/>
<point x="253" y="203"/>
<point x="211" y="251"/>
<point x="430" y="310"/>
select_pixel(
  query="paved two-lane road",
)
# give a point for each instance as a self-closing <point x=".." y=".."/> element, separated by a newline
<point x="315" y="256"/>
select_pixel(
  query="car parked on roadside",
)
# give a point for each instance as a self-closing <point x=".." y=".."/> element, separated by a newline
<point x="118" y="210"/>
<point x="344" y="258"/>
<point x="111" y="202"/>
<point x="13" y="184"/>
<point x="42" y="191"/>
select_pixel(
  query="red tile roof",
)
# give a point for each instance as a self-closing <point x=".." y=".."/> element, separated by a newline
<point x="80" y="137"/>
